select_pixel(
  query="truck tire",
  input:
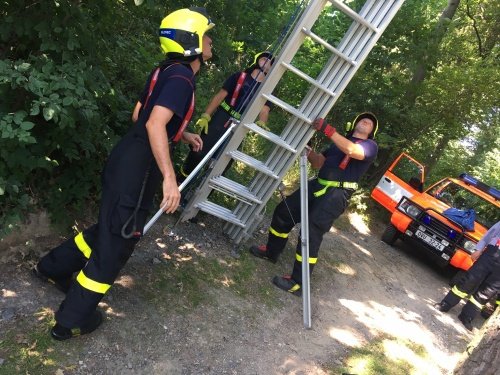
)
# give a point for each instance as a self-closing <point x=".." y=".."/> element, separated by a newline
<point x="390" y="235"/>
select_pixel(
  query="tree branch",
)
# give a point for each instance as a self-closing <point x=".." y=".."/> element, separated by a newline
<point x="474" y="25"/>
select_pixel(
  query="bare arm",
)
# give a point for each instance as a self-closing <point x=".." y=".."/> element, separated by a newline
<point x="317" y="160"/>
<point x="194" y="140"/>
<point x="135" y="113"/>
<point x="215" y="102"/>
<point x="158" y="139"/>
<point x="348" y="147"/>
<point x="264" y="114"/>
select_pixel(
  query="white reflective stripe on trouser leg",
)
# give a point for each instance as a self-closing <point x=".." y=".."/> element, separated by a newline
<point x="92" y="285"/>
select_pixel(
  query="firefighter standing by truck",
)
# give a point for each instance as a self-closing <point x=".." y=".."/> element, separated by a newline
<point x="483" y="278"/>
<point x="134" y="170"/>
<point x="231" y="101"/>
<point x="341" y="167"/>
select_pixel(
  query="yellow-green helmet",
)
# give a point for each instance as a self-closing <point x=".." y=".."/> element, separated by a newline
<point x="351" y="125"/>
<point x="182" y="31"/>
<point x="257" y="57"/>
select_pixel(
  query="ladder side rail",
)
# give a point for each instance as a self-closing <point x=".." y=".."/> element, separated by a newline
<point x="356" y="33"/>
<point x="245" y="213"/>
<point x="307" y="18"/>
<point x="341" y="85"/>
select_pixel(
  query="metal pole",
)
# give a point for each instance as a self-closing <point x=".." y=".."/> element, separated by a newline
<point x="193" y="172"/>
<point x="304" y="239"/>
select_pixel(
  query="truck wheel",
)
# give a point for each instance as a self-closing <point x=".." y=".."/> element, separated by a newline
<point x="390" y="234"/>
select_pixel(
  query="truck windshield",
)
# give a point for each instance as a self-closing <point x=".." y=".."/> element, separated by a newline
<point x="454" y="195"/>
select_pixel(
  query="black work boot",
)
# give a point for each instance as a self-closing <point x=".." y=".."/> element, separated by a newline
<point x="62" y="284"/>
<point x="261" y="252"/>
<point x="288" y="284"/>
<point x="443" y="306"/>
<point x="466" y="321"/>
<point x="60" y="333"/>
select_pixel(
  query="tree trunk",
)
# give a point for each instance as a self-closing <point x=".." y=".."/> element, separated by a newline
<point x="434" y="156"/>
<point x="482" y="356"/>
<point x="428" y="58"/>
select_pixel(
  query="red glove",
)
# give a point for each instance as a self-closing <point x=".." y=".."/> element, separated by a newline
<point x="321" y="126"/>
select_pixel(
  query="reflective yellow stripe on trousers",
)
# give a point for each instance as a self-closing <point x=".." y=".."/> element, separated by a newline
<point x="92" y="285"/>
<point x="458" y="292"/>
<point x="278" y="234"/>
<point x="475" y="302"/>
<point x="311" y="260"/>
<point x="82" y="245"/>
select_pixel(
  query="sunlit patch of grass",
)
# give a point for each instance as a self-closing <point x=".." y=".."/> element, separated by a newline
<point x="189" y="282"/>
<point x="384" y="356"/>
<point x="31" y="350"/>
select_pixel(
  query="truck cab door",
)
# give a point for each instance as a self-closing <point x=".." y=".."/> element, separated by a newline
<point x="404" y="178"/>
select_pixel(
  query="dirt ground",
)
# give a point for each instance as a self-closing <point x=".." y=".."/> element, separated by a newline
<point x="184" y="305"/>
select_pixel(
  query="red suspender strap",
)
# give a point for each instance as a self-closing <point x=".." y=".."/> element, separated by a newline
<point x="186" y="120"/>
<point x="237" y="89"/>
<point x="189" y="113"/>
<point x="152" y="85"/>
<point x="345" y="161"/>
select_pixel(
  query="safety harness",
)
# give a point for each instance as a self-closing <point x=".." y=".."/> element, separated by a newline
<point x="134" y="233"/>
<point x="338" y="184"/>
<point x="190" y="111"/>
<point x="229" y="108"/>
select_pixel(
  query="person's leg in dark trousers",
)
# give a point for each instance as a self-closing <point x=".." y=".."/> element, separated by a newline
<point x="285" y="216"/>
<point x="59" y="265"/>
<point x="323" y="211"/>
<point x="487" y="290"/>
<point x="474" y="277"/>
<point x="110" y="252"/>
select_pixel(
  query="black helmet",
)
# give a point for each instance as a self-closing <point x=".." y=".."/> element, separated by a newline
<point x="351" y="125"/>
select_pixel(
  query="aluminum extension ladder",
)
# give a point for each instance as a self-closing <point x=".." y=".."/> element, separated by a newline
<point x="347" y="57"/>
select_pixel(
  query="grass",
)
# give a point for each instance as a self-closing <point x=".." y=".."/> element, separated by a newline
<point x="189" y="282"/>
<point x="34" y="352"/>
<point x="383" y="356"/>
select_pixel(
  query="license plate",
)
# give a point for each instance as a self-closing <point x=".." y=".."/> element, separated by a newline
<point x="431" y="241"/>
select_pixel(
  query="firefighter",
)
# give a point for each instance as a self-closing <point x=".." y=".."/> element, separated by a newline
<point x="231" y="101"/>
<point x="135" y="168"/>
<point x="340" y="168"/>
<point x="480" y="283"/>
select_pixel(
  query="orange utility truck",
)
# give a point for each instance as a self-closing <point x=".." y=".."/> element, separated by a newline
<point x="417" y="214"/>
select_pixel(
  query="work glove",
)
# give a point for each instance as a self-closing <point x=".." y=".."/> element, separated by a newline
<point x="201" y="125"/>
<point x="322" y="126"/>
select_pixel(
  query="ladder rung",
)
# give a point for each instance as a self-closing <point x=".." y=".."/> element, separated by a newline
<point x="270" y="136"/>
<point x="328" y="46"/>
<point x="304" y="76"/>
<point x="254" y="163"/>
<point x="351" y="13"/>
<point x="233" y="189"/>
<point x="287" y="107"/>
<point x="220" y="212"/>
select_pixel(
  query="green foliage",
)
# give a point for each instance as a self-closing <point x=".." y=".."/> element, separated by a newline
<point x="70" y="73"/>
